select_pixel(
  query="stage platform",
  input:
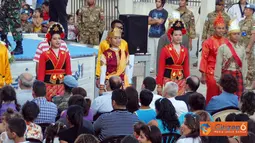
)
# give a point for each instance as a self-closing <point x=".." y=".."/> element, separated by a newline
<point x="82" y="62"/>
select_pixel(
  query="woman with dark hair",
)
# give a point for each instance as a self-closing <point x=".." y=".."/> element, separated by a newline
<point x="166" y="119"/>
<point x="75" y="119"/>
<point x="227" y="98"/>
<point x="149" y="134"/>
<point x="30" y="111"/>
<point x="79" y="90"/>
<point x="85" y="138"/>
<point x="8" y="100"/>
<point x="247" y="104"/>
<point x="51" y="133"/>
<point x="133" y="103"/>
<point x="174" y="59"/>
<point x="190" y="130"/>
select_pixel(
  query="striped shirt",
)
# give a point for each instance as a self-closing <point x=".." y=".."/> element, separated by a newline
<point x="44" y="46"/>
<point x="48" y="111"/>
<point x="118" y="122"/>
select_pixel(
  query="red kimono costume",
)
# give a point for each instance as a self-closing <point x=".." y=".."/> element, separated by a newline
<point x="173" y="67"/>
<point x="52" y="70"/>
<point x="207" y="64"/>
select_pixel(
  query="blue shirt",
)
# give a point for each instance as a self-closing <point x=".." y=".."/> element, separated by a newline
<point x="182" y="117"/>
<point x="163" y="129"/>
<point x="222" y="101"/>
<point x="146" y="115"/>
<point x="48" y="111"/>
<point x="158" y="30"/>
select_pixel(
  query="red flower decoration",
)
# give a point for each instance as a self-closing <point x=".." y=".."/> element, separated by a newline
<point x="62" y="35"/>
<point x="169" y="33"/>
<point x="48" y="36"/>
<point x="184" y="31"/>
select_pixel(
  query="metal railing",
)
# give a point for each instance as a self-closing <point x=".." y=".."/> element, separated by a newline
<point x="109" y="6"/>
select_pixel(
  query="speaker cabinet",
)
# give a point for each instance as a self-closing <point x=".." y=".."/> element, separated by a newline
<point x="135" y="32"/>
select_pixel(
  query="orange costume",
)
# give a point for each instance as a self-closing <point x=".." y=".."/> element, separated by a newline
<point x="174" y="66"/>
<point x="208" y="60"/>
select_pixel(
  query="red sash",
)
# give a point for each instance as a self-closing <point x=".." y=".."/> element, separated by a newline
<point x="231" y="48"/>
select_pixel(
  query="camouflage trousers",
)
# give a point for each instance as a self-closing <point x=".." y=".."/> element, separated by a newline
<point x="91" y="38"/>
<point x="251" y="69"/>
<point x="10" y="19"/>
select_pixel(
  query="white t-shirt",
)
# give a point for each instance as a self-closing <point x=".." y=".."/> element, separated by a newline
<point x="189" y="140"/>
<point x="180" y="106"/>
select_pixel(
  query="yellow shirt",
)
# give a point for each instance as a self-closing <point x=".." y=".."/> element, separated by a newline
<point x="104" y="45"/>
<point x="5" y="70"/>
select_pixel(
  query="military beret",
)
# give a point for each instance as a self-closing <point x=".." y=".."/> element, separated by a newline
<point x="25" y="11"/>
<point x="220" y="2"/>
<point x="250" y="6"/>
<point x="70" y="81"/>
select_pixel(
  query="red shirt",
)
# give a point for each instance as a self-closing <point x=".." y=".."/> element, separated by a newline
<point x="46" y="16"/>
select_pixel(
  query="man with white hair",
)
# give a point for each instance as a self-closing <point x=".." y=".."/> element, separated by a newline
<point x="25" y="84"/>
<point x="170" y="92"/>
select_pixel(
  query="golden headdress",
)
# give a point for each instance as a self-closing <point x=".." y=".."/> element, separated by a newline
<point x="176" y="25"/>
<point x="116" y="32"/>
<point x="55" y="28"/>
<point x="233" y="26"/>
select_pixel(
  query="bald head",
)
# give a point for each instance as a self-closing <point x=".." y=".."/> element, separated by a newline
<point x="26" y="80"/>
<point x="115" y="82"/>
<point x="193" y="83"/>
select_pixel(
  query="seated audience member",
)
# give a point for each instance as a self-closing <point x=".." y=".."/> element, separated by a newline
<point x="30" y="111"/>
<point x="103" y="103"/>
<point x="61" y="101"/>
<point x="129" y="139"/>
<point x="16" y="128"/>
<point x="48" y="110"/>
<point x="75" y="119"/>
<point x="25" y="84"/>
<point x="196" y="103"/>
<point x="85" y="138"/>
<point x="51" y="133"/>
<point x="9" y="114"/>
<point x="192" y="84"/>
<point x="72" y="29"/>
<point x="30" y="17"/>
<point x="26" y="26"/>
<point x="251" y="133"/>
<point x="137" y="128"/>
<point x="117" y="122"/>
<point x="233" y="117"/>
<point x="8" y="100"/>
<point x="217" y="139"/>
<point x="166" y="119"/>
<point x="37" y="20"/>
<point x="227" y="98"/>
<point x="145" y="113"/>
<point x="150" y="134"/>
<point x="88" y="115"/>
<point x="247" y="104"/>
<point x="133" y="103"/>
<point x="45" y="10"/>
<point x="170" y="92"/>
<point x="150" y="84"/>
<point x="204" y="116"/>
<point x="190" y="129"/>
<point x="79" y="90"/>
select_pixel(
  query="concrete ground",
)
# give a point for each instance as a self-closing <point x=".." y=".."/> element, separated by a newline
<point x="138" y="71"/>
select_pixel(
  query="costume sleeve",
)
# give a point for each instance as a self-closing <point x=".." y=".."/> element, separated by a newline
<point x="161" y="69"/>
<point x="103" y="70"/>
<point x="68" y="64"/>
<point x="205" y="28"/>
<point x="126" y="45"/>
<point x="8" y="76"/>
<point x="219" y="63"/>
<point x="244" y="64"/>
<point x="100" y="52"/>
<point x="102" y="21"/>
<point x="186" y="69"/>
<point x="204" y="57"/>
<point x="41" y="67"/>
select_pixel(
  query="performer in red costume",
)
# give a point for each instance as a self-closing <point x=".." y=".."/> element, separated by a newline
<point x="208" y="57"/>
<point x="55" y="63"/>
<point x="174" y="59"/>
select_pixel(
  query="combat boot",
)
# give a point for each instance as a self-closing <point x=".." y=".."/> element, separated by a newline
<point x="19" y="49"/>
<point x="5" y="40"/>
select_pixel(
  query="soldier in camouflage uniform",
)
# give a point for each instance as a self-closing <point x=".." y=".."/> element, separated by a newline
<point x="10" y="16"/>
<point x="91" y="23"/>
<point x="189" y="20"/>
<point x="208" y="29"/>
<point x="247" y="41"/>
<point x="26" y="26"/>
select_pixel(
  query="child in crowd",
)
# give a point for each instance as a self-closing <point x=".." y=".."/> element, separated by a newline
<point x="26" y="26"/>
<point x="8" y="100"/>
<point x="137" y="129"/>
<point x="72" y="29"/>
<point x="37" y="20"/>
<point x="52" y="132"/>
<point x="145" y="113"/>
<point x="9" y="114"/>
